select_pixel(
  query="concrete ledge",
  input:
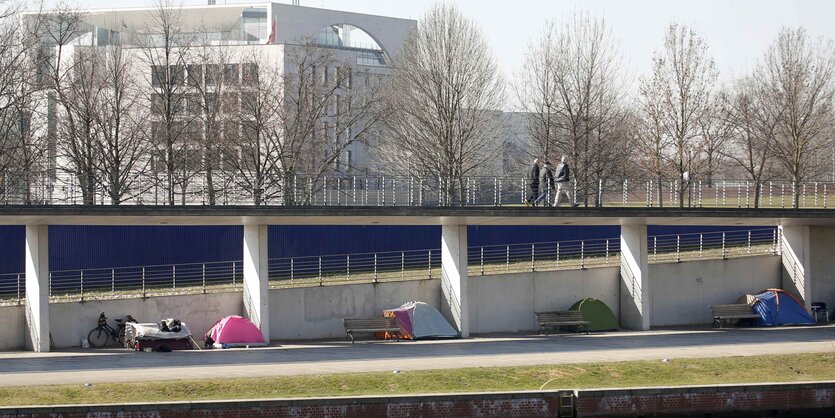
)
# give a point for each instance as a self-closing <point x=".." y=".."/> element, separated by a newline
<point x="404" y="215"/>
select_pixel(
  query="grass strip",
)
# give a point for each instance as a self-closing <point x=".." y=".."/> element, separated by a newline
<point x="703" y="371"/>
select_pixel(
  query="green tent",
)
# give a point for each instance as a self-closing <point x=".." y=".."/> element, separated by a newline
<point x="596" y="312"/>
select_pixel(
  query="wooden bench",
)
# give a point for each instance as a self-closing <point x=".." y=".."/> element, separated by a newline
<point x="560" y="318"/>
<point x="369" y="325"/>
<point x="731" y="311"/>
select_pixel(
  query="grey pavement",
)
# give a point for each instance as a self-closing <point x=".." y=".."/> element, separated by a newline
<point x="324" y="357"/>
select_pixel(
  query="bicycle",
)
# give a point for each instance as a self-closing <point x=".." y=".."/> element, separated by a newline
<point x="103" y="333"/>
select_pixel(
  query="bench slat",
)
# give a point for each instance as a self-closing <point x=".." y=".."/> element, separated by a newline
<point x="556" y="318"/>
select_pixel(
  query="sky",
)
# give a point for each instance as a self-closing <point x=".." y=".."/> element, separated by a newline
<point x="737" y="31"/>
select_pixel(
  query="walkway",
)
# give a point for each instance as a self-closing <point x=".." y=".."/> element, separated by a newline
<point x="116" y="365"/>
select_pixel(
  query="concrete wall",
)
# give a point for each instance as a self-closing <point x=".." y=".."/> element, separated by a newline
<point x="498" y="303"/>
<point x="70" y="322"/>
<point x="681" y="292"/>
<point x="507" y="302"/>
<point x="822" y="241"/>
<point x="317" y="312"/>
<point x="12" y="327"/>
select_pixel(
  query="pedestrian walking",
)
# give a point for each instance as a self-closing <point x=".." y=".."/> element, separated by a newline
<point x="546" y="185"/>
<point x="562" y="180"/>
<point x="534" y="183"/>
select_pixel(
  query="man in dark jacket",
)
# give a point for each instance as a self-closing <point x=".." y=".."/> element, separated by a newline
<point x="563" y="178"/>
<point x="534" y="183"/>
<point x="546" y="185"/>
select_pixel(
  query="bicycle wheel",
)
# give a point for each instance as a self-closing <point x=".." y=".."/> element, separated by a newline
<point x="120" y="335"/>
<point x="98" y="337"/>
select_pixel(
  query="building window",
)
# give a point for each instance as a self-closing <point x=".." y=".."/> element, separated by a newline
<point x="195" y="75"/>
<point x="230" y="74"/>
<point x="214" y="72"/>
<point x="178" y="75"/>
<point x="250" y="74"/>
<point x="157" y="75"/>
<point x="348" y="159"/>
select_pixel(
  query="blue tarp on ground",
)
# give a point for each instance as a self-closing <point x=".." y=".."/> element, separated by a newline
<point x="778" y="307"/>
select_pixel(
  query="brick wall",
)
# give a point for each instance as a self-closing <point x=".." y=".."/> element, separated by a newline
<point x="813" y="399"/>
<point x="520" y="404"/>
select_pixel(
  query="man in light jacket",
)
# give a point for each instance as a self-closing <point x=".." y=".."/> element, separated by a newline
<point x="562" y="180"/>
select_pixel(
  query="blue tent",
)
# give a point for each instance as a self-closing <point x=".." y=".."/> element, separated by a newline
<point x="778" y="307"/>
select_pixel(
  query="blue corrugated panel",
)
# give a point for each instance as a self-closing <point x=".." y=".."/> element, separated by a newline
<point x="11" y="248"/>
<point x="73" y="247"/>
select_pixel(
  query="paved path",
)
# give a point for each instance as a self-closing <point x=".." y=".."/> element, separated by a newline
<point x="115" y="365"/>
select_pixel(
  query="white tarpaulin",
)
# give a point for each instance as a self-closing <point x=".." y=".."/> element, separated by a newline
<point x="151" y="330"/>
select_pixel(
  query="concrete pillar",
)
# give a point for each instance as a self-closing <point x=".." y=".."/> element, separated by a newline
<point x="454" y="279"/>
<point x="256" y="279"/>
<point x="796" y="253"/>
<point x="635" y="301"/>
<point x="37" y="287"/>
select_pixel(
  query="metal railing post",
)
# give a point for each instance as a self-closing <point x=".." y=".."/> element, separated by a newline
<point x="500" y="192"/>
<point x="495" y="191"/>
<point x="204" y="277"/>
<point x="402" y="264"/>
<point x="607" y="250"/>
<point x="112" y="280"/>
<point x="430" y="264"/>
<point x="375" y="268"/>
<point x="348" y="267"/>
<point x="701" y="239"/>
<point x="600" y="192"/>
<point x="558" y="253"/>
<point x="749" y="242"/>
<point x="143" y="282"/>
<point x="18" y="288"/>
<point x="174" y="276"/>
<point x="582" y="254"/>
<point x="816" y="193"/>
<point x="774" y="242"/>
<point x="533" y="257"/>
<point x="292" y="270"/>
<point x="824" y="195"/>
<point x="782" y="195"/>
<point x="507" y="262"/>
<point x="625" y="192"/>
<point x="700" y="193"/>
<point x="482" y="261"/>
<point x="723" y="245"/>
<point x="678" y="248"/>
<point x="233" y="274"/>
<point x="82" y="285"/>
<point x="320" y="271"/>
<point x="654" y="248"/>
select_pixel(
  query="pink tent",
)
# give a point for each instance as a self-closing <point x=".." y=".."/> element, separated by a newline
<point x="235" y="331"/>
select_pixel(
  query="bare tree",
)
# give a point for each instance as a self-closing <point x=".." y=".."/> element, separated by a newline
<point x="652" y="140"/>
<point x="122" y="140"/>
<point x="442" y="100"/>
<point x="22" y="142"/>
<point x="715" y="131"/>
<point x="215" y="80"/>
<point x="166" y="47"/>
<point x="249" y="146"/>
<point x="752" y="132"/>
<point x="321" y="112"/>
<point x="298" y="122"/>
<point x="796" y="78"/>
<point x="682" y="81"/>
<point x="74" y="86"/>
<point x="591" y="85"/>
<point x="536" y="90"/>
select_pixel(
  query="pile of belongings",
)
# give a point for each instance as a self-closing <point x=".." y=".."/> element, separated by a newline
<point x="167" y="335"/>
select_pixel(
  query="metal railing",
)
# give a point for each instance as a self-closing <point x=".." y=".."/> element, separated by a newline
<point x="157" y="280"/>
<point x="384" y="190"/>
